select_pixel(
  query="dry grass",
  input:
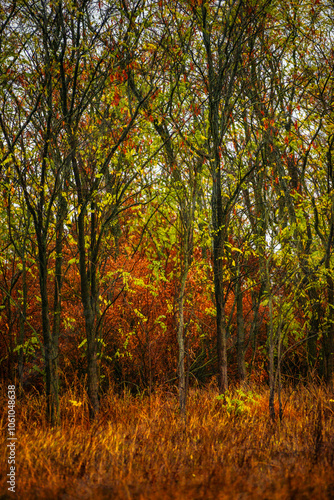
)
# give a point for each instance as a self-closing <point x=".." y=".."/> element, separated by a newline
<point x="141" y="449"/>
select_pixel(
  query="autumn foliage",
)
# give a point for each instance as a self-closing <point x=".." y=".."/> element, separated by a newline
<point x="138" y="311"/>
<point x="167" y="231"/>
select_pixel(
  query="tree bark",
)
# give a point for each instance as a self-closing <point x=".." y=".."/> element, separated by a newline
<point x="180" y="338"/>
<point x="240" y="328"/>
<point x="271" y="348"/>
<point x="89" y="299"/>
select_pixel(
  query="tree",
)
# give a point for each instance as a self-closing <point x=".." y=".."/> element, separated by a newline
<point x="35" y="167"/>
<point x="99" y="118"/>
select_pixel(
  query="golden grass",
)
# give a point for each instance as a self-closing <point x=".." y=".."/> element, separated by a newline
<point x="140" y="448"/>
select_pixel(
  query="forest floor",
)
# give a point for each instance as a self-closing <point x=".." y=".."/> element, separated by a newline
<point x="140" y="448"/>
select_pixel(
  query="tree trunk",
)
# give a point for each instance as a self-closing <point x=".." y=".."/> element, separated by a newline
<point x="180" y="338"/>
<point x="89" y="300"/>
<point x="50" y="360"/>
<point x="240" y="329"/>
<point x="328" y="334"/>
<point x="23" y="315"/>
<point x="271" y="347"/>
<point x="61" y="214"/>
<point x="92" y="372"/>
<point x="218" y="247"/>
<point x="313" y="333"/>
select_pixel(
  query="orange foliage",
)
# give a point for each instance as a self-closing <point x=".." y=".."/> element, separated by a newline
<point x="138" y="313"/>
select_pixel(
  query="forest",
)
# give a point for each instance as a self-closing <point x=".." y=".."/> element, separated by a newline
<point x="166" y="248"/>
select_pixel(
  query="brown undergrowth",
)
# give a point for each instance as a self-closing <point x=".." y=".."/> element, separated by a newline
<point x="140" y="447"/>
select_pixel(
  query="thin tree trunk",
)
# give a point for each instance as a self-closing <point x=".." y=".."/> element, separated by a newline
<point x="328" y="335"/>
<point x="219" y="229"/>
<point x="88" y="301"/>
<point x="23" y="316"/>
<point x="271" y="348"/>
<point x="49" y="355"/>
<point x="278" y="376"/>
<point x="240" y="329"/>
<point x="61" y="214"/>
<point x="92" y="372"/>
<point x="221" y="334"/>
<point x="180" y="338"/>
<point x="313" y="333"/>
